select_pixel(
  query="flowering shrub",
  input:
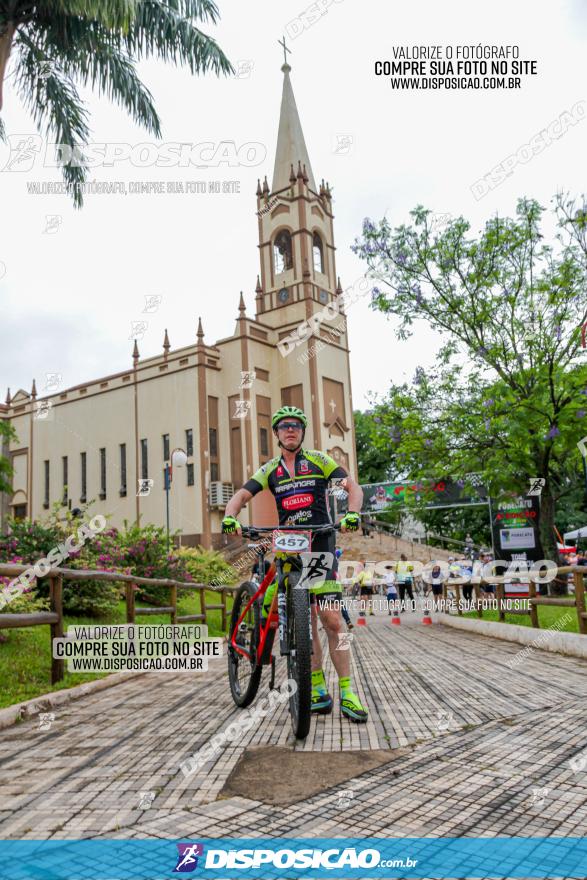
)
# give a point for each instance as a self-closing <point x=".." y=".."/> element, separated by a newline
<point x="144" y="549"/>
<point x="137" y="550"/>
<point x="29" y="541"/>
<point x="206" y="566"/>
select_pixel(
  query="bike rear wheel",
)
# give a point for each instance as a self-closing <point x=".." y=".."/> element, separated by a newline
<point x="244" y="675"/>
<point x="299" y="659"/>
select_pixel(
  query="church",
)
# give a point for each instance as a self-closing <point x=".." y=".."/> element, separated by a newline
<point x="110" y="439"/>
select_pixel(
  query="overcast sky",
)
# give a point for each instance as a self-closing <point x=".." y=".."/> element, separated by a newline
<point x="68" y="298"/>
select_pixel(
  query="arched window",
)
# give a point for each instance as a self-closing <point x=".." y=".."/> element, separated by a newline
<point x="318" y="253"/>
<point x="282" y="259"/>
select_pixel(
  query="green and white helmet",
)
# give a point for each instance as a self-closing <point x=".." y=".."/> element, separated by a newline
<point x="288" y="412"/>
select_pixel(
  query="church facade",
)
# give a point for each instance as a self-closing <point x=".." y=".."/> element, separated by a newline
<point x="110" y="439"/>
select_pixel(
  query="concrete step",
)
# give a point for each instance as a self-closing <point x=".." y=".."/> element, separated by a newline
<point x="379" y="546"/>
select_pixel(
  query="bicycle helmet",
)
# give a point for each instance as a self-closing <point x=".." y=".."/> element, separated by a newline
<point x="291" y="412"/>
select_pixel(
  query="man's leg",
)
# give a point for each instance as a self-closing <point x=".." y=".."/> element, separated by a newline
<point x="341" y="659"/>
<point x="317" y="657"/>
<point x="321" y="699"/>
<point x="411" y="595"/>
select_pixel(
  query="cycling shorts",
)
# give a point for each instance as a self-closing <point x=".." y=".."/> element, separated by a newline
<point x="324" y="598"/>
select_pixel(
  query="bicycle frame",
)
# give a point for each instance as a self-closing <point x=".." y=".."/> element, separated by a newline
<point x="264" y="648"/>
<point x="272" y="619"/>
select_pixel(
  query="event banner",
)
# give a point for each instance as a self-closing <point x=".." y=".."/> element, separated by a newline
<point x="430" y="493"/>
<point x="516" y="529"/>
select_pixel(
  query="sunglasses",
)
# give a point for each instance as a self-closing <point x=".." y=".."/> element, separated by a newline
<point x="284" y="426"/>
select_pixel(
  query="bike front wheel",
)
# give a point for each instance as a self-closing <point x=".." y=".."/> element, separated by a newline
<point x="244" y="675"/>
<point x="299" y="659"/>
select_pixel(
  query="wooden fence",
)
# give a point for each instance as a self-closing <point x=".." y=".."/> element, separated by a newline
<point x="577" y="601"/>
<point x="54" y="617"/>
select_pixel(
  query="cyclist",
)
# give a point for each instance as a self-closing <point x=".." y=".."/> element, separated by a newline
<point x="298" y="478"/>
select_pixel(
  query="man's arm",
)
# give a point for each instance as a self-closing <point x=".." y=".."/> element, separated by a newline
<point x="355" y="494"/>
<point x="236" y="504"/>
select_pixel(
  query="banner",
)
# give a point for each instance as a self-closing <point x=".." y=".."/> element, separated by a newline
<point x="267" y="858"/>
<point x="516" y="529"/>
<point x="433" y="493"/>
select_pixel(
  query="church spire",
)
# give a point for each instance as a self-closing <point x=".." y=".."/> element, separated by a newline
<point x="291" y="146"/>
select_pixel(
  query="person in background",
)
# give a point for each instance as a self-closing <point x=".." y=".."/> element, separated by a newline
<point x="390" y="589"/>
<point x="454" y="571"/>
<point x="405" y="579"/>
<point x="365" y="581"/>
<point x="466" y="571"/>
<point x="485" y="558"/>
<point x="436" y="581"/>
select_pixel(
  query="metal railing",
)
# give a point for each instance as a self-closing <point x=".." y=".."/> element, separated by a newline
<point x="54" y="617"/>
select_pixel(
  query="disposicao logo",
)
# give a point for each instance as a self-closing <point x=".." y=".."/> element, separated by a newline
<point x="187" y="857"/>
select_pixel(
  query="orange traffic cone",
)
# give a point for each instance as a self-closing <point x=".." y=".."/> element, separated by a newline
<point x="396" y="619"/>
<point x="427" y="620"/>
<point x="362" y="621"/>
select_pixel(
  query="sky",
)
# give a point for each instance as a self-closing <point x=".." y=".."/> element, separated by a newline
<point x="73" y="282"/>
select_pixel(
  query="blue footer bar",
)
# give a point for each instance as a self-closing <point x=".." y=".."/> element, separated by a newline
<point x="462" y="858"/>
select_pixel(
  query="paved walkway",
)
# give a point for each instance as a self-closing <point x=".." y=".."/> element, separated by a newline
<point x="488" y="750"/>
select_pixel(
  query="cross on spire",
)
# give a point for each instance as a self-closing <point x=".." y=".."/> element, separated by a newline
<point x="285" y="49"/>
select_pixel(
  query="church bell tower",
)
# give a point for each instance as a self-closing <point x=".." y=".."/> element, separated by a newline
<point x="297" y="281"/>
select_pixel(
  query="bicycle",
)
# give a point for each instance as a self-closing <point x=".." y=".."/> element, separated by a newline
<point x="250" y="643"/>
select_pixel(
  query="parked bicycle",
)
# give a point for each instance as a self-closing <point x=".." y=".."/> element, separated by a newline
<point x="250" y="644"/>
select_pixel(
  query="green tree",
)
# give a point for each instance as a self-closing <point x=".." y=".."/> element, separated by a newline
<point x="373" y="461"/>
<point x="507" y="398"/>
<point x="60" y="44"/>
<point x="7" y="433"/>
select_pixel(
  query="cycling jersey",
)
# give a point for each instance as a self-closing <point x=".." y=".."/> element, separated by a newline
<point x="302" y="500"/>
<point x="301" y="497"/>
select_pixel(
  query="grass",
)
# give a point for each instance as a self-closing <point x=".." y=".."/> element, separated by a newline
<point x="25" y="658"/>
<point x="548" y="615"/>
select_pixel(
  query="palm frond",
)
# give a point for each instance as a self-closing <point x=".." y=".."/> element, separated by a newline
<point x="161" y="29"/>
<point x="93" y="56"/>
<point x="202" y="10"/>
<point x="109" y="13"/>
<point x="96" y="43"/>
<point x="54" y="104"/>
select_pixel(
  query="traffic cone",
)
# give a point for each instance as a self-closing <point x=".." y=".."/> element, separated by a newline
<point x="427" y="620"/>
<point x="362" y="621"/>
<point x="396" y="619"/>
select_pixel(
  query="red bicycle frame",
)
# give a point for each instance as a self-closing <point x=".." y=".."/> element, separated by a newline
<point x="272" y="619"/>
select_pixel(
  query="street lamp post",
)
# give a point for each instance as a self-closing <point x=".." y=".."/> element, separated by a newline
<point x="178" y="459"/>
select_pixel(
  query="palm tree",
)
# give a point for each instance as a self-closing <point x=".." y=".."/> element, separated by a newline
<point x="56" y="44"/>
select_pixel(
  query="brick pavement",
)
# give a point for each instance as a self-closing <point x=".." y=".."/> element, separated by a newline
<point x="471" y="770"/>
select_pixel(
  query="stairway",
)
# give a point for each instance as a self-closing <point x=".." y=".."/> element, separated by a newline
<point x="380" y="546"/>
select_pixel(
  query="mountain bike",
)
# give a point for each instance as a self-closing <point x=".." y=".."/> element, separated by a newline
<point x="250" y="642"/>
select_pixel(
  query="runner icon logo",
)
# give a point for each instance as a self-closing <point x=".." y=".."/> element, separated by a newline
<point x="187" y="857"/>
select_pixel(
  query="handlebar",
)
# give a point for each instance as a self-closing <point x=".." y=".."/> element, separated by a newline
<point x="255" y="530"/>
